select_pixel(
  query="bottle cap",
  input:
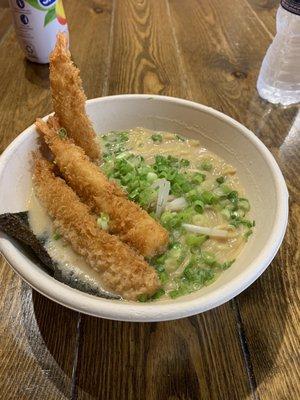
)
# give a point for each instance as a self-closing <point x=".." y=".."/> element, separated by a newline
<point x="292" y="6"/>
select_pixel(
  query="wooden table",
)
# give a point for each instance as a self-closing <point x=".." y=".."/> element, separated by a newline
<point x="208" y="51"/>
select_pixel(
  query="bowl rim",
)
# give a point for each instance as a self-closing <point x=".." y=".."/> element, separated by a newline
<point x="144" y="312"/>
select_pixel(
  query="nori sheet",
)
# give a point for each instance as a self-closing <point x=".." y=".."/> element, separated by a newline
<point x="16" y="225"/>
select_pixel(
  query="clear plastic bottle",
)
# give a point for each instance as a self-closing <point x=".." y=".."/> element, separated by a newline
<point x="279" y="77"/>
<point x="37" y="23"/>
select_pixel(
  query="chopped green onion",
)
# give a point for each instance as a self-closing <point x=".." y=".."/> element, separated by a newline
<point x="103" y="221"/>
<point x="175" y="245"/>
<point x="198" y="178"/>
<point x="193" y="195"/>
<point x="179" y="292"/>
<point x="248" y="234"/>
<point x="184" y="214"/>
<point x="143" y="298"/>
<point x="238" y="214"/>
<point x="184" y="162"/>
<point x="232" y="195"/>
<point x="226" y="189"/>
<point x="225" y="213"/>
<point x="220" y="180"/>
<point x="198" y="206"/>
<point x="160" y="260"/>
<point x="62" y="133"/>
<point x="208" y="197"/>
<point x="241" y="221"/>
<point x="208" y="258"/>
<point x="163" y="277"/>
<point x="151" y="177"/>
<point x="195" y="240"/>
<point x="157" y="138"/>
<point x="180" y="138"/>
<point x="56" y="236"/>
<point x="199" y="276"/>
<point x="170" y="220"/>
<point x="160" y="292"/>
<point x="206" y="166"/>
<point x="244" y="204"/>
<point x="224" y="265"/>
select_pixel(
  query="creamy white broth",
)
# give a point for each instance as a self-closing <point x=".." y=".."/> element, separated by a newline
<point x="143" y="144"/>
<point x="139" y="142"/>
<point x="71" y="265"/>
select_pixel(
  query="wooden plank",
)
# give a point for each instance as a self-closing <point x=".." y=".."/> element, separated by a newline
<point x="270" y="313"/>
<point x="38" y="338"/>
<point x="5" y="19"/>
<point x="195" y="358"/>
<point x="25" y="86"/>
<point x="24" y="90"/>
<point x="144" y="54"/>
<point x="37" y="342"/>
<point x="89" y="22"/>
<point x="222" y="59"/>
<point x="265" y="10"/>
<point x="270" y="308"/>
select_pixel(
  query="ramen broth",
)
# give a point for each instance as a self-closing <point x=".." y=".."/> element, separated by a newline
<point x="191" y="191"/>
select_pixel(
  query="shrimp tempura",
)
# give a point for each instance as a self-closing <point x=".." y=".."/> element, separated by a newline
<point x="121" y="269"/>
<point x="69" y="99"/>
<point x="127" y="219"/>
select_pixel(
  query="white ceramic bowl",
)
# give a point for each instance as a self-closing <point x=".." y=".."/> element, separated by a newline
<point x="258" y="171"/>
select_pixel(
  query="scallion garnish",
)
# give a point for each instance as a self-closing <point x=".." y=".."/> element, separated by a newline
<point x="62" y="133"/>
<point x="195" y="240"/>
<point x="220" y="180"/>
<point x="56" y="235"/>
<point x="180" y="138"/>
<point x="184" y="209"/>
<point x="103" y="221"/>
<point x="206" y="165"/>
<point x="157" y="138"/>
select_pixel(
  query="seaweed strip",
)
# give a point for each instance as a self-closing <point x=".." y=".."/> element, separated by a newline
<point x="16" y="225"/>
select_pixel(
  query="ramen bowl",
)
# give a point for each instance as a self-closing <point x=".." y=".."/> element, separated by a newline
<point x="257" y="169"/>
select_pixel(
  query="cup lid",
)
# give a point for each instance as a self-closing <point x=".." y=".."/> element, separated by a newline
<point x="292" y="6"/>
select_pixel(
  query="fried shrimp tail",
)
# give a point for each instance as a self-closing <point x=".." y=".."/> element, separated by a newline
<point x="126" y="219"/>
<point x="69" y="99"/>
<point x="121" y="269"/>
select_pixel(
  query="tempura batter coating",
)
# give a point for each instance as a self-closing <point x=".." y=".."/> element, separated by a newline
<point x="69" y="99"/>
<point x="122" y="270"/>
<point x="127" y="219"/>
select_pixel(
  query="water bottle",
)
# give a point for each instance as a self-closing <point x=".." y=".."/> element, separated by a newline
<point x="37" y="23"/>
<point x="279" y="77"/>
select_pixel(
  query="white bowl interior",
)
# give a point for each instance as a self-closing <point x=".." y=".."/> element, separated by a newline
<point x="258" y="172"/>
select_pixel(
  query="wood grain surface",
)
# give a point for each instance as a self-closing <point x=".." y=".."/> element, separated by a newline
<point x="38" y="338"/>
<point x="245" y="349"/>
<point x="265" y="13"/>
<point x="145" y="59"/>
<point x="272" y="355"/>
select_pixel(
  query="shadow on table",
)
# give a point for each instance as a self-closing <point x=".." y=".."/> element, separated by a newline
<point x="187" y="359"/>
<point x="38" y="74"/>
<point x="52" y="336"/>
